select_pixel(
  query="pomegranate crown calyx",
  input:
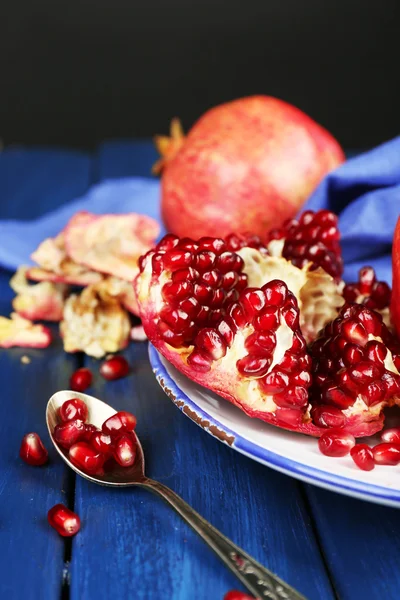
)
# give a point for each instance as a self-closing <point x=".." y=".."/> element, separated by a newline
<point x="168" y="146"/>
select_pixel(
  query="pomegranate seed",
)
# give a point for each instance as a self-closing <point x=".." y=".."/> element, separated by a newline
<point x="168" y="242"/>
<point x="391" y="435"/>
<point x="114" y="368"/>
<point x="175" y="292"/>
<point x="67" y="434"/>
<point x="209" y="342"/>
<point x="253" y="366"/>
<point x="292" y="397"/>
<point x="363" y="457"/>
<point x="387" y="454"/>
<point x="177" y="259"/>
<point x="236" y="595"/>
<point x="87" y="433"/>
<point x="32" y="450"/>
<point x="73" y="409"/>
<point x="336" y="442"/>
<point x="290" y="416"/>
<point x="121" y="422"/>
<point x="125" y="450"/>
<point x="328" y="416"/>
<point x="101" y="442"/>
<point x="80" y="380"/>
<point x="86" y="458"/>
<point x="199" y="362"/>
<point x="275" y="292"/>
<point x="63" y="520"/>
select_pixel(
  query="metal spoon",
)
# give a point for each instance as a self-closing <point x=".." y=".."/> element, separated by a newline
<point x="258" y="580"/>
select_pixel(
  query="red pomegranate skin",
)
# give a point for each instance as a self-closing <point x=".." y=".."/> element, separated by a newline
<point x="395" y="303"/>
<point x="246" y="165"/>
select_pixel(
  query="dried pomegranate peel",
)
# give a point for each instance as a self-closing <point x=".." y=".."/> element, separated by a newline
<point x="41" y="302"/>
<point x="17" y="331"/>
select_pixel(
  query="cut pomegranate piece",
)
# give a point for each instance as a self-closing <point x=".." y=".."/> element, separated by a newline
<point x="121" y="422"/>
<point x="102" y="443"/>
<point x="371" y="293"/>
<point x="73" y="409"/>
<point x="41" y="302"/>
<point x="115" y="367"/>
<point x="391" y="435"/>
<point x="363" y="457"/>
<point x="95" y="322"/>
<point x="81" y="379"/>
<point x="32" y="450"/>
<point x="110" y="243"/>
<point x="313" y="238"/>
<point x="387" y="454"/>
<point x="336" y="442"/>
<point x="18" y="331"/>
<point x="355" y="363"/>
<point x="125" y="450"/>
<point x="87" y="459"/>
<point x="63" y="520"/>
<point x="395" y="302"/>
<point x="67" y="434"/>
<point x="236" y="595"/>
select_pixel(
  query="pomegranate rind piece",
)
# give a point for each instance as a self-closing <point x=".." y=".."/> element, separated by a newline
<point x="318" y="295"/>
<point x="395" y="302"/>
<point x="21" y="332"/>
<point x="41" y="302"/>
<point x="355" y="362"/>
<point x="123" y="291"/>
<point x="55" y="265"/>
<point x="110" y="244"/>
<point x="94" y="322"/>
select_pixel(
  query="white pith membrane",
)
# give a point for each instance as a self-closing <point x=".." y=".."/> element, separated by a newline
<point x="17" y="331"/>
<point x="318" y="296"/>
<point x="247" y="390"/>
<point x="110" y="243"/>
<point x="95" y="321"/>
<point x="360" y="405"/>
<point x="43" y="301"/>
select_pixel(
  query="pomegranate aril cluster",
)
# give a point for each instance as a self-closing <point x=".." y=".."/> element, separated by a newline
<point x="351" y="361"/>
<point x="90" y="448"/>
<point x="314" y="237"/>
<point x="204" y="276"/>
<point x="368" y="291"/>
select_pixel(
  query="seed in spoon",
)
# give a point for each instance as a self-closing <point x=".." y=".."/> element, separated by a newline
<point x="86" y="458"/>
<point x="125" y="450"/>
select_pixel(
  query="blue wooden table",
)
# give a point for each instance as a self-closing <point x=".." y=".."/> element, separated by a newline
<point x="132" y="546"/>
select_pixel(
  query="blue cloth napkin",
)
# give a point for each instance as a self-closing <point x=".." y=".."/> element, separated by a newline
<point x="364" y="192"/>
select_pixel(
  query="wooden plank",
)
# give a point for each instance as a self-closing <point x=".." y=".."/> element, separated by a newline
<point x="32" y="554"/>
<point x="361" y="543"/>
<point x="146" y="550"/>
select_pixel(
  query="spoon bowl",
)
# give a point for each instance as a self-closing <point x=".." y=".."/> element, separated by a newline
<point x="98" y="412"/>
<point x="261" y="582"/>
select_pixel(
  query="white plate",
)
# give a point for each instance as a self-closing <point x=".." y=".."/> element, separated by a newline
<point x="291" y="453"/>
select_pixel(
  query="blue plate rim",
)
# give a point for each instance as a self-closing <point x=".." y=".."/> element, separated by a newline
<point x="298" y="470"/>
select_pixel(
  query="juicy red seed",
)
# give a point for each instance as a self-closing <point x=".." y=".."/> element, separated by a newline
<point x="175" y="292"/>
<point x="391" y="435"/>
<point x="336" y="442"/>
<point x="177" y="319"/>
<point x="229" y="261"/>
<point x="290" y="416"/>
<point x="232" y="296"/>
<point x="253" y="366"/>
<point x="371" y="320"/>
<point x="235" y="595"/>
<point x="229" y="280"/>
<point x="226" y="328"/>
<point x="188" y="274"/>
<point x="87" y="433"/>
<point x="327" y="416"/>
<point x="190" y="306"/>
<point x="101" y="443"/>
<point x="242" y="282"/>
<point x="210" y="343"/>
<point x="121" y="422"/>
<point x="204" y="261"/>
<point x="203" y="293"/>
<point x="73" y="409"/>
<point x="364" y="372"/>
<point x="199" y="362"/>
<point x="188" y="244"/>
<point x="114" y="368"/>
<point x="80" y="380"/>
<point x="376" y="351"/>
<point x="168" y="242"/>
<point x="269" y="320"/>
<point x="86" y="458"/>
<point x="217" y="245"/>
<point x="367" y="279"/>
<point x="235" y="312"/>
<point x="215" y="316"/>
<point x="63" y="520"/>
<point x="274" y="382"/>
<point x="67" y="434"/>
<point x="363" y="457"/>
<point x="373" y="392"/>
<point x="292" y="397"/>
<point x="253" y="301"/>
<point x="291" y="316"/>
<point x="352" y="354"/>
<point x="157" y="264"/>
<point x="289" y="362"/>
<point x="203" y="315"/>
<point x="261" y="342"/>
<point x="334" y="395"/>
<point x="177" y="259"/>
<point x="355" y="332"/>
<point x="211" y="278"/>
<point x="275" y="292"/>
<point x="217" y="299"/>
<point x="125" y="450"/>
<point x="32" y="450"/>
<point x="387" y="453"/>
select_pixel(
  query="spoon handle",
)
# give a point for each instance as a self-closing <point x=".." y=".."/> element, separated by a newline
<point x="258" y="580"/>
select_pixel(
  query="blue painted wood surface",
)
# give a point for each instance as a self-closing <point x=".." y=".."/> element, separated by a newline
<point x="131" y="545"/>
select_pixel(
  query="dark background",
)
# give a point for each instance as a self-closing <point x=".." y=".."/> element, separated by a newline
<point x="74" y="73"/>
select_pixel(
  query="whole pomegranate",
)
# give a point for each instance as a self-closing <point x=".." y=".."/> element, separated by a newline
<point x="246" y="165"/>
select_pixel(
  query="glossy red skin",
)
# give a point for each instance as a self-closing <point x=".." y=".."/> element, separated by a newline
<point x="395" y="303"/>
<point x="226" y="388"/>
<point x="236" y="595"/>
<point x="246" y="165"/>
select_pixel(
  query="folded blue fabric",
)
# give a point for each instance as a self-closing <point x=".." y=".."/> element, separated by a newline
<point x="364" y="192"/>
